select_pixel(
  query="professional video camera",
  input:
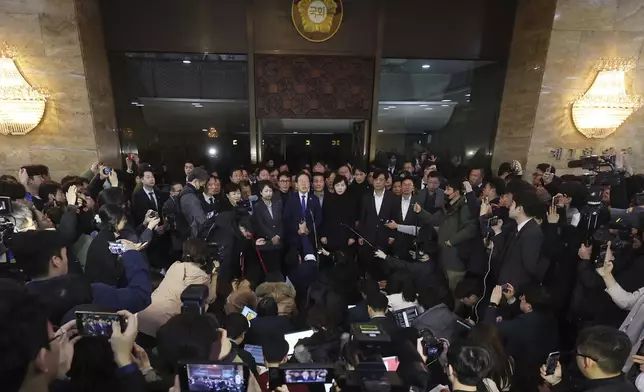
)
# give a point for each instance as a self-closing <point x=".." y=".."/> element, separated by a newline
<point x="597" y="175"/>
<point x="364" y="350"/>
<point x="6" y="224"/>
<point x="618" y="233"/>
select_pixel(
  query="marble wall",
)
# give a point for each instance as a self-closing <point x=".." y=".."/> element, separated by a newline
<point x="47" y="36"/>
<point x="582" y="32"/>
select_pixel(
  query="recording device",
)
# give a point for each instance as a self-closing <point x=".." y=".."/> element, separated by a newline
<point x="405" y="317"/>
<point x="597" y="173"/>
<point x="493" y="221"/>
<point x="293" y="338"/>
<point x="153" y="214"/>
<point x="391" y="363"/>
<point x="256" y="351"/>
<point x="504" y="288"/>
<point x="193" y="299"/>
<point x="208" y="376"/>
<point x="98" y="323"/>
<point x="618" y="233"/>
<point x="551" y="363"/>
<point x="107" y="171"/>
<point x="295" y="373"/>
<point x="432" y="347"/>
<point x="6" y="223"/>
<point x="248" y="313"/>
<point x="116" y="248"/>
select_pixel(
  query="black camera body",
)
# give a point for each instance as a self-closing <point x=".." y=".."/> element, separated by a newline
<point x="193" y="299"/>
<point x="432" y="347"/>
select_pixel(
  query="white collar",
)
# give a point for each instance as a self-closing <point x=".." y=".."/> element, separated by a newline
<point x="406" y="198"/>
<point x="376" y="195"/>
<point x="520" y="225"/>
<point x="306" y="195"/>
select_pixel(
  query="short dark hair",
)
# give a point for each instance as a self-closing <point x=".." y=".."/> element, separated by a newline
<point x="302" y="173"/>
<point x="378" y="302"/>
<point x="263" y="184"/>
<point x="498" y="184"/>
<point x="36" y="170"/>
<point x="239" y="169"/>
<point x="504" y="168"/>
<point x="12" y="190"/>
<point x="24" y="332"/>
<point x="111" y="215"/>
<point x="470" y="363"/>
<point x="544" y="167"/>
<point x="186" y="336"/>
<point x="232" y="187"/>
<point x="517" y="186"/>
<point x="466" y="288"/>
<point x="236" y="325"/>
<point x="113" y="196"/>
<point x="607" y="346"/>
<point x="537" y="296"/>
<point x="532" y="205"/>
<point x="275" y="348"/>
<point x="48" y="188"/>
<point x="379" y="172"/>
<point x="244" y="184"/>
<point x="198" y="173"/>
<point x="284" y="174"/>
<point x="433" y="174"/>
<point x="34" y="249"/>
<point x="318" y="174"/>
<point x="406" y="178"/>
<point x="144" y="169"/>
<point x="267" y="307"/>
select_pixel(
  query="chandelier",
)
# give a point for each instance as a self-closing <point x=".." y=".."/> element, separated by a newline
<point x="606" y="105"/>
<point x="21" y="105"/>
<point x="212" y="133"/>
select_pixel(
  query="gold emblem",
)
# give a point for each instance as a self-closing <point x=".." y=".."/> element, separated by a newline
<point x="318" y="20"/>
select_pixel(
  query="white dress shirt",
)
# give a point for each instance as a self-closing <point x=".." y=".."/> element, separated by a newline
<point x="208" y="199"/>
<point x="152" y="196"/>
<point x="269" y="205"/>
<point x="520" y="225"/>
<point x="378" y="201"/>
<point x="306" y="198"/>
<point x="404" y="206"/>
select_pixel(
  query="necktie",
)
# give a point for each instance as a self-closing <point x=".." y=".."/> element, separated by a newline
<point x="153" y="200"/>
<point x="304" y="206"/>
<point x="212" y="200"/>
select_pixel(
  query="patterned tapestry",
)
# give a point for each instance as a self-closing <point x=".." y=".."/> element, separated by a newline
<point x="313" y="86"/>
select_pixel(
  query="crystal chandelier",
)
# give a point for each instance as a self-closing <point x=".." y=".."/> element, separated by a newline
<point x="606" y="105"/>
<point x="21" y="106"/>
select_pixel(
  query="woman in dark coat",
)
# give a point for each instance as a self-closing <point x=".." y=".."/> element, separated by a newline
<point x="268" y="225"/>
<point x="338" y="212"/>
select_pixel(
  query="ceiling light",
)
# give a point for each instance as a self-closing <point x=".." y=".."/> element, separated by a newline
<point x="386" y="108"/>
<point x="392" y="107"/>
<point x="140" y="105"/>
<point x="381" y="130"/>
<point x="204" y="130"/>
<point x="186" y="61"/>
<point x="467" y="95"/>
<point x="198" y="106"/>
<point x="446" y="100"/>
<point x="294" y="133"/>
<point x="134" y="103"/>
<point x="445" y="106"/>
<point x="429" y="108"/>
<point x="470" y="153"/>
<point x="423" y="106"/>
<point x="425" y="66"/>
<point x="212" y="151"/>
<point x="195" y="104"/>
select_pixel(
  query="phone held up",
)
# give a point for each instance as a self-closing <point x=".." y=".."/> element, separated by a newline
<point x="551" y="363"/>
<point x="98" y="323"/>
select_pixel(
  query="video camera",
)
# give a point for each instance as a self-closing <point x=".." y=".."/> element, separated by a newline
<point x="6" y="223"/>
<point x="597" y="176"/>
<point x="618" y="233"/>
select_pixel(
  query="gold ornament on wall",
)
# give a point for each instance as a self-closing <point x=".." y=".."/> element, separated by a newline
<point x="605" y="106"/>
<point x="317" y="20"/>
<point x="212" y="133"/>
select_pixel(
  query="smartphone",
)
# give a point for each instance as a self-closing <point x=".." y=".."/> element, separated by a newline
<point x="554" y="201"/>
<point x="599" y="262"/>
<point x="248" y="313"/>
<point x="206" y="376"/>
<point x="391" y="363"/>
<point x="153" y="214"/>
<point x="116" y="248"/>
<point x="493" y="221"/>
<point x="551" y="363"/>
<point x="98" y="323"/>
<point x="256" y="351"/>
<point x="505" y="288"/>
<point x="107" y="171"/>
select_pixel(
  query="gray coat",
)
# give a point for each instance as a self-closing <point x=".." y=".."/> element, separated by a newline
<point x="633" y="325"/>
<point x="192" y="210"/>
<point x="457" y="226"/>
<point x="422" y="195"/>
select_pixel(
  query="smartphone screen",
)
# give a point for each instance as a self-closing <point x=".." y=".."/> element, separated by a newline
<point x="307" y="376"/>
<point x="213" y="377"/>
<point x="97" y="323"/>
<point x="599" y="262"/>
<point x="391" y="363"/>
<point x="116" y="248"/>
<point x="551" y="363"/>
<point x="248" y="313"/>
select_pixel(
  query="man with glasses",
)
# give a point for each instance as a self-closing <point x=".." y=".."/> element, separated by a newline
<point x="284" y="186"/>
<point x="600" y="355"/>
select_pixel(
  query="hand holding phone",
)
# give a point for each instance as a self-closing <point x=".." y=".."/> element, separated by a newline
<point x="552" y="362"/>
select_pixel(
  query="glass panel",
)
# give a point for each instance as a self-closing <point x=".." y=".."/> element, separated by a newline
<point x="449" y="107"/>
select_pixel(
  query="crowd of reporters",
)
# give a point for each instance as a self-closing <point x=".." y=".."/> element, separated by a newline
<point x="496" y="276"/>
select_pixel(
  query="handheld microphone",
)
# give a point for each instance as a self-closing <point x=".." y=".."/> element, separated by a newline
<point x="358" y="234"/>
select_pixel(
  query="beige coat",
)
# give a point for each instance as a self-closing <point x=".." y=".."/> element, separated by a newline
<point x="166" y="299"/>
<point x="283" y="293"/>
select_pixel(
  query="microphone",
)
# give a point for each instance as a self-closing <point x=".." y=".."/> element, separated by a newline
<point x="315" y="233"/>
<point x="358" y="234"/>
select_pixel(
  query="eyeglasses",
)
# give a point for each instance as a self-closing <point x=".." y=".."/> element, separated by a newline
<point x="577" y="353"/>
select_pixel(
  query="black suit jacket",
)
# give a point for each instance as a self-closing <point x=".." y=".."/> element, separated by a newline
<point x="267" y="226"/>
<point x="517" y="257"/>
<point x="372" y="224"/>
<point x="141" y="203"/>
<point x="262" y="328"/>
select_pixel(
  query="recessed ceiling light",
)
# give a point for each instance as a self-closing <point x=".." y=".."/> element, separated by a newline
<point x="446" y="100"/>
<point x="468" y="100"/>
<point x="429" y="108"/>
<point x="204" y="130"/>
<point x="195" y="104"/>
<point x="134" y="103"/>
<point x="381" y="130"/>
<point x="294" y="133"/>
<point x="423" y="106"/>
<point x="425" y="66"/>
<point x="386" y="108"/>
<point x="467" y="95"/>
<point x="140" y="105"/>
<point x="392" y="107"/>
<point x="186" y="61"/>
<point x="445" y="106"/>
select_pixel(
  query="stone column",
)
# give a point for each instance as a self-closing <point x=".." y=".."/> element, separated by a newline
<point x="60" y="48"/>
<point x="582" y="32"/>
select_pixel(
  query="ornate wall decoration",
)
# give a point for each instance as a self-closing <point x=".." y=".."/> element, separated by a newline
<point x="313" y="86"/>
<point x="317" y="20"/>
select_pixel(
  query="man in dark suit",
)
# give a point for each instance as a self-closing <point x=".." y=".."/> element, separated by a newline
<point x="432" y="197"/>
<point x="406" y="222"/>
<point x="378" y="208"/>
<point x="377" y="306"/>
<point x="302" y="218"/>
<point x="148" y="197"/>
<point x="517" y="257"/>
